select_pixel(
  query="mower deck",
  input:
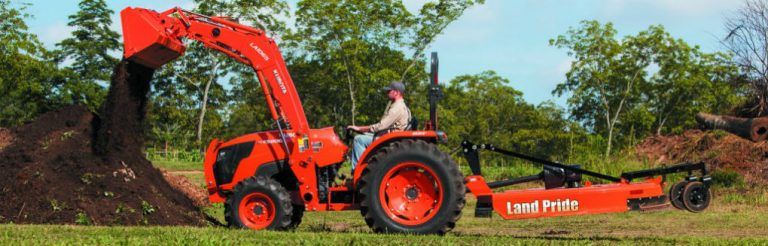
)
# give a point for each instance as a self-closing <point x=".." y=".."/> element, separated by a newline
<point x="565" y="194"/>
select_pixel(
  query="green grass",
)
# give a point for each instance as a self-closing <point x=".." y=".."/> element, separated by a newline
<point x="84" y="235"/>
<point x="724" y="223"/>
<point x="721" y="225"/>
<point x="177" y="165"/>
<point x="738" y="215"/>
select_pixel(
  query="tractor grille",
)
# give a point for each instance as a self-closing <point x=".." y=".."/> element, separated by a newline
<point x="228" y="159"/>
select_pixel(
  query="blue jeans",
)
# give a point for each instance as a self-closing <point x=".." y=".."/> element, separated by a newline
<point x="358" y="147"/>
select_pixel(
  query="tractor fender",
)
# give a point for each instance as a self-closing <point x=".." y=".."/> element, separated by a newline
<point x="271" y="169"/>
<point x="210" y="181"/>
<point x="384" y="140"/>
<point x="253" y="165"/>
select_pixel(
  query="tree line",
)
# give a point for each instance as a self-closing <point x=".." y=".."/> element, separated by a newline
<point x="341" y="52"/>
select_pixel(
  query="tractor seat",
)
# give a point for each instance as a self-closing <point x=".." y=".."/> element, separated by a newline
<point x="413" y="124"/>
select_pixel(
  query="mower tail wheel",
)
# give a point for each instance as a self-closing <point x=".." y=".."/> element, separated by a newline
<point x="696" y="196"/>
<point x="259" y="203"/>
<point x="676" y="194"/>
<point x="411" y="186"/>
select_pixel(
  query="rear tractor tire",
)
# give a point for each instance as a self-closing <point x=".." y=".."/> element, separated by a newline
<point x="410" y="186"/>
<point x="298" y="214"/>
<point x="259" y="203"/>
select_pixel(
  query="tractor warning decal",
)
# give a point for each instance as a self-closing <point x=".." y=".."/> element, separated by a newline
<point x="543" y="206"/>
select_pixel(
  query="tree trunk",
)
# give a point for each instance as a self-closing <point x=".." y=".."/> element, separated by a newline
<point x="204" y="104"/>
<point x="202" y="113"/>
<point x="413" y="63"/>
<point x="661" y="125"/>
<point x="610" y="130"/>
<point x="353" y="110"/>
<point x="349" y="80"/>
<point x="351" y="92"/>
<point x="610" y="141"/>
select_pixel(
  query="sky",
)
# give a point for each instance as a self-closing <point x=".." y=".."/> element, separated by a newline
<point x="510" y="37"/>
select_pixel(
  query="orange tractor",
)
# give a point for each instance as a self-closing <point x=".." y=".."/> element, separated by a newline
<point x="403" y="182"/>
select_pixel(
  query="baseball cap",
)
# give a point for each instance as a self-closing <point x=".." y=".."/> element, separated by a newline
<point x="395" y="85"/>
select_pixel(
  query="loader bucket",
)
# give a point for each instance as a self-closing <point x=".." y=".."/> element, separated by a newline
<point x="145" y="40"/>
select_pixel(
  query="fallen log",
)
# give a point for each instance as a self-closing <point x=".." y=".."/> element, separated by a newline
<point x="754" y="129"/>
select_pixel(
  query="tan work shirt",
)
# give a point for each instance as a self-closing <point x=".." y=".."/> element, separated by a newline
<point x="396" y="116"/>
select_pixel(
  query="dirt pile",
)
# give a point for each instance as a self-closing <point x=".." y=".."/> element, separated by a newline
<point x="721" y="151"/>
<point x="70" y="166"/>
<point x="197" y="193"/>
<point x="6" y="138"/>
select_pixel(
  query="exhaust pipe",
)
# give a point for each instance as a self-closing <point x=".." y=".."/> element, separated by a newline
<point x="754" y="129"/>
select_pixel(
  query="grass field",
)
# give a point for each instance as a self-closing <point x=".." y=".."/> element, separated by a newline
<point x="733" y="218"/>
<point x="722" y="224"/>
<point x="176" y="165"/>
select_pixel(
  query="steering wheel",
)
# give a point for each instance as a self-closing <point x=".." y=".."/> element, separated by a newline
<point x="346" y="135"/>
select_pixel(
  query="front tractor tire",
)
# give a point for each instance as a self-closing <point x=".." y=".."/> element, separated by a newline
<point x="410" y="186"/>
<point x="259" y="203"/>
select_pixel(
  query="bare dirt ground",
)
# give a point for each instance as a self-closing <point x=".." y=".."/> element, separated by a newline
<point x="178" y="181"/>
<point x="719" y="150"/>
<point x="6" y="138"/>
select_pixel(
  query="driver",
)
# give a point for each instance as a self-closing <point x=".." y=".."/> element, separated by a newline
<point x="396" y="118"/>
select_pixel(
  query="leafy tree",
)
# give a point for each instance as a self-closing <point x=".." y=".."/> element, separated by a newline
<point x="483" y="108"/>
<point x="688" y="81"/>
<point x="341" y="44"/>
<point x="247" y="110"/>
<point x="360" y="50"/>
<point x="201" y="71"/>
<point x="747" y="41"/>
<point x="433" y="18"/>
<point x="642" y="84"/>
<point x="606" y="75"/>
<point x="171" y="113"/>
<point x="88" y="53"/>
<point x="27" y="79"/>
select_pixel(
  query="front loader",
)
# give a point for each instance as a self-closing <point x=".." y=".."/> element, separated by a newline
<point x="403" y="182"/>
<point x="268" y="179"/>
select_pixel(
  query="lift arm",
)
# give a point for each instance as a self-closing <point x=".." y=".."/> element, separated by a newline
<point x="153" y="39"/>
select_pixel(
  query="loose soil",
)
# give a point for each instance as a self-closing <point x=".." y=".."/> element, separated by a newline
<point x="6" y="138"/>
<point x="71" y="166"/>
<point x="195" y="192"/>
<point x="719" y="150"/>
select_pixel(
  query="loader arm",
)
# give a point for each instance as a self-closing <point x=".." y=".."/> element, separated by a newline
<point x="153" y="39"/>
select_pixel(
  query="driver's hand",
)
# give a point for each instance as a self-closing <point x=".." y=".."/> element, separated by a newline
<point x="354" y="128"/>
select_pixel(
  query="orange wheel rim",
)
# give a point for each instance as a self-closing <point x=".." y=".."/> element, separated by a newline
<point x="257" y="211"/>
<point x="411" y="193"/>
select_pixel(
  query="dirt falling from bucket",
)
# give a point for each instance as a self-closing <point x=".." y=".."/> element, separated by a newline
<point x="70" y="166"/>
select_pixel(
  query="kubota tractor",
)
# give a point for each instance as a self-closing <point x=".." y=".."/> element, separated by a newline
<point x="267" y="179"/>
<point x="403" y="183"/>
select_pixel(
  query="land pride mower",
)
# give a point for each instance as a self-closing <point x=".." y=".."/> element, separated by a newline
<point x="403" y="182"/>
